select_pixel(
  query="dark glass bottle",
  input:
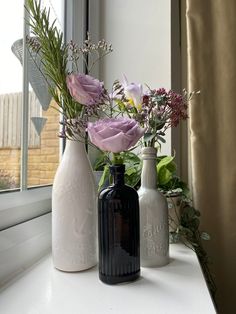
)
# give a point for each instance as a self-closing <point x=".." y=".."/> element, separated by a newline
<point x="118" y="230"/>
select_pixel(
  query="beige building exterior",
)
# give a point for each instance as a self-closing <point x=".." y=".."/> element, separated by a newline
<point x="43" y="154"/>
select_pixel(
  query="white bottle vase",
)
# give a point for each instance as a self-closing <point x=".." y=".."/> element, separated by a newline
<point x="154" y="230"/>
<point x="74" y="214"/>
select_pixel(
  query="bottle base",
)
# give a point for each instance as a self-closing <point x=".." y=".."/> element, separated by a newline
<point x="72" y="268"/>
<point x="113" y="280"/>
<point x="152" y="263"/>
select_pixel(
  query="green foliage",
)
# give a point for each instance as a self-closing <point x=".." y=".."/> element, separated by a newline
<point x="148" y="137"/>
<point x="100" y="162"/>
<point x="165" y="169"/>
<point x="167" y="180"/>
<point x="187" y="231"/>
<point x="133" y="168"/>
<point x="6" y="181"/>
<point x="49" y="44"/>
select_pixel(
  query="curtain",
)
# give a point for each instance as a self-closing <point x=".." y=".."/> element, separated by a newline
<point x="211" y="68"/>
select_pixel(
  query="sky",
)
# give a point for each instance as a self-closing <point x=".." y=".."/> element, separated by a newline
<point x="11" y="29"/>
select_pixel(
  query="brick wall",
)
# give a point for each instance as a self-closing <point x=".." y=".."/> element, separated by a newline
<point x="42" y="160"/>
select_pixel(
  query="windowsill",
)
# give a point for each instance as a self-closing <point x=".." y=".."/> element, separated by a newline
<point x="176" y="288"/>
<point x="23" y="245"/>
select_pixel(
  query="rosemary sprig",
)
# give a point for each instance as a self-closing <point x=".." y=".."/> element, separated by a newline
<point x="48" y="42"/>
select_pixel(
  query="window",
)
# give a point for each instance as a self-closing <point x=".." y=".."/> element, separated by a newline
<point x="29" y="145"/>
<point x="142" y="45"/>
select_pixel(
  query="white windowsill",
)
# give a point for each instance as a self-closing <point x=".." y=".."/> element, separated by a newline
<point x="176" y="288"/>
<point x="23" y="245"/>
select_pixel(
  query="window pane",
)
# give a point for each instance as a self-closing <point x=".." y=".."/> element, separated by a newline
<point x="10" y="94"/>
<point x="43" y="149"/>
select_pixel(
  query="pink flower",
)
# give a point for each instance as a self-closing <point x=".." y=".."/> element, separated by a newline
<point x="85" y="89"/>
<point x="115" y="134"/>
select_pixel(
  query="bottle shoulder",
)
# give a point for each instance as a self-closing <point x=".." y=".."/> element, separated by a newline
<point x="118" y="191"/>
<point x="147" y="193"/>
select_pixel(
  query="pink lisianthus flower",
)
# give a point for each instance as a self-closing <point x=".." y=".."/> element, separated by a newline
<point x="115" y="134"/>
<point x="85" y="89"/>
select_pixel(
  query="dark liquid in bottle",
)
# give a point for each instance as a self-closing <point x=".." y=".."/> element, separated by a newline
<point x="118" y="231"/>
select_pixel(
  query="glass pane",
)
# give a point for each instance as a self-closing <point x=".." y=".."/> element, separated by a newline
<point x="10" y="94"/>
<point x="43" y="151"/>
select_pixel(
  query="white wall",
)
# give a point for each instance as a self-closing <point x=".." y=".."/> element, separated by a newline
<point x="140" y="33"/>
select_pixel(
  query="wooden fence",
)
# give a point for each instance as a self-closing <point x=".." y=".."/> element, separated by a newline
<point x="10" y="120"/>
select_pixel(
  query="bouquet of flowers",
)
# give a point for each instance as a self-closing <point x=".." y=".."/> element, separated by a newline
<point x="78" y="95"/>
<point x="155" y="109"/>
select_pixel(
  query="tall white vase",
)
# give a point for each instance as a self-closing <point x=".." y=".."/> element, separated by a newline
<point x="74" y="214"/>
<point x="154" y="230"/>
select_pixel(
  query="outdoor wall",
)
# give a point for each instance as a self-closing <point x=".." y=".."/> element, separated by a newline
<point x="42" y="159"/>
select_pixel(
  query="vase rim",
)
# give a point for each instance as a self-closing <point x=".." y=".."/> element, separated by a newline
<point x="149" y="153"/>
<point x="117" y="168"/>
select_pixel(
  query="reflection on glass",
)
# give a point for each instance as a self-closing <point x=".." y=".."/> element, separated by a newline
<point x="43" y="151"/>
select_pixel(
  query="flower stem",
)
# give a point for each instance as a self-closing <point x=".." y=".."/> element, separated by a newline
<point x="117" y="159"/>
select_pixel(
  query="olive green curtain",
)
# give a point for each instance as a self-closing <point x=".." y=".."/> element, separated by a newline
<point x="211" y="68"/>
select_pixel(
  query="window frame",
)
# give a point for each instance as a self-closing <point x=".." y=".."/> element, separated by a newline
<point x="20" y="206"/>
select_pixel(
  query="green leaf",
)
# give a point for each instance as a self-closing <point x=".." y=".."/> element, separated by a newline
<point x="100" y="162"/>
<point x="164" y="162"/>
<point x="161" y="139"/>
<point x="133" y="168"/>
<point x="165" y="170"/>
<point x="164" y="176"/>
<point x="194" y="224"/>
<point x="205" y="236"/>
<point x="148" y="137"/>
<point x="130" y="171"/>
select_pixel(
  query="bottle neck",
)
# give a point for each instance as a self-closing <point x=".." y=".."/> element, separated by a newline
<point x="117" y="172"/>
<point x="118" y="179"/>
<point x="149" y="171"/>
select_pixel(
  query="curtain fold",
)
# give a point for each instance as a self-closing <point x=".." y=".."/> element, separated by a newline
<point x="211" y="54"/>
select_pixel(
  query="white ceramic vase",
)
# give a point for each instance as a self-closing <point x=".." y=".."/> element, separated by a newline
<point x="74" y="214"/>
<point x="154" y="230"/>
